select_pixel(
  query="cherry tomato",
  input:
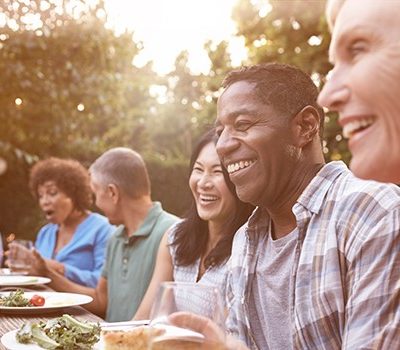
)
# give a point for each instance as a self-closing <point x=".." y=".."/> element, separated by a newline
<point x="37" y="300"/>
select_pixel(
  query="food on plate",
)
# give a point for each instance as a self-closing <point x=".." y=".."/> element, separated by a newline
<point x="134" y="339"/>
<point x="18" y="299"/>
<point x="64" y="332"/>
<point x="37" y="300"/>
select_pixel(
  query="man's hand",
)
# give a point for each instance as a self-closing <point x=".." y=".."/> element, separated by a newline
<point x="208" y="328"/>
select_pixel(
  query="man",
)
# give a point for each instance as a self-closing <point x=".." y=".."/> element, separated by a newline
<point x="317" y="266"/>
<point x="121" y="185"/>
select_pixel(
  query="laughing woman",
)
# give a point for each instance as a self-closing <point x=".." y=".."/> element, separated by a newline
<point x="74" y="240"/>
<point x="197" y="248"/>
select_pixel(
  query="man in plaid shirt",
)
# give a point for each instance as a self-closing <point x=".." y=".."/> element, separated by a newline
<point x="317" y="266"/>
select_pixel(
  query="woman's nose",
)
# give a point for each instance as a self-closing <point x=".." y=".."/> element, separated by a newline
<point x="335" y="92"/>
<point x="205" y="181"/>
<point x="43" y="200"/>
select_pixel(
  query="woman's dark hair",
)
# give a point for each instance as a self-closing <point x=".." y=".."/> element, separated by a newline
<point x="191" y="234"/>
<point x="70" y="176"/>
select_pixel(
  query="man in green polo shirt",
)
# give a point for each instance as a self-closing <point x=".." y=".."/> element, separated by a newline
<point x="130" y="263"/>
<point x="121" y="185"/>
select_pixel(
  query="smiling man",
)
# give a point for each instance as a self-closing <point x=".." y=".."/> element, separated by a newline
<point x="317" y="264"/>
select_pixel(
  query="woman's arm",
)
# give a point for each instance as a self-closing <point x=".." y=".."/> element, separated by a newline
<point x="163" y="271"/>
<point x="60" y="283"/>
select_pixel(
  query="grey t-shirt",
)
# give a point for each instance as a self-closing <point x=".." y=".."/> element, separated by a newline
<point x="269" y="301"/>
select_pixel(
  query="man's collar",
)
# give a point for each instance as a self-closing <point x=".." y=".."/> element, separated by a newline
<point x="312" y="197"/>
<point x="314" y="194"/>
<point x="147" y="226"/>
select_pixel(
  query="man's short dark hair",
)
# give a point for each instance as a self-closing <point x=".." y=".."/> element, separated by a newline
<point x="286" y="88"/>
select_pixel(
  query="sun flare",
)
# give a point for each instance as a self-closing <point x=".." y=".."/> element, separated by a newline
<point x="166" y="27"/>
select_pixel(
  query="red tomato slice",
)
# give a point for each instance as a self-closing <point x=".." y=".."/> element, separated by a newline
<point x="37" y="300"/>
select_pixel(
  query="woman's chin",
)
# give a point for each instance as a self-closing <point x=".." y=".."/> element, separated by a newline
<point x="382" y="170"/>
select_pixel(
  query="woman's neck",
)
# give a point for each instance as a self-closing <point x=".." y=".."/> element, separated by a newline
<point x="72" y="221"/>
<point x="215" y="232"/>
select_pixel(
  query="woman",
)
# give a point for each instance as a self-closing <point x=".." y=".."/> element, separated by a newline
<point x="73" y="242"/>
<point x="197" y="248"/>
<point x="364" y="85"/>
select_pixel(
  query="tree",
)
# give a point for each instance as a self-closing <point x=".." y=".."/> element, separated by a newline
<point x="67" y="88"/>
<point x="188" y="106"/>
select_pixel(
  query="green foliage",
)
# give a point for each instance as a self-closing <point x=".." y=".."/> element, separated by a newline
<point x="190" y="105"/>
<point x="68" y="89"/>
<point x="169" y="182"/>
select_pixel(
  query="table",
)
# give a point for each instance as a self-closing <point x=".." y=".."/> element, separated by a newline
<point x="9" y="322"/>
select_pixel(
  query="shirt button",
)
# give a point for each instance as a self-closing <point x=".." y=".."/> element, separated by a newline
<point x="125" y="261"/>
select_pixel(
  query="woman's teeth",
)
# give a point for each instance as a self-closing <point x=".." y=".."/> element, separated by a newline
<point x="233" y="167"/>
<point x="208" y="198"/>
<point x="356" y="125"/>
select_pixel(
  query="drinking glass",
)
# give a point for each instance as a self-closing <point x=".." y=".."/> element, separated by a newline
<point x="173" y="297"/>
<point x="20" y="255"/>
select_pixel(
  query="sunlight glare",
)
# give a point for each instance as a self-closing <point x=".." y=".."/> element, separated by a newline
<point x="168" y="27"/>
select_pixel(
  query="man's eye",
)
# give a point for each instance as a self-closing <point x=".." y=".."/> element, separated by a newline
<point x="243" y="125"/>
<point x="218" y="131"/>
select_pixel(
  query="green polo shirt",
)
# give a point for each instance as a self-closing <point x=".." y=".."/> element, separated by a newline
<point x="130" y="263"/>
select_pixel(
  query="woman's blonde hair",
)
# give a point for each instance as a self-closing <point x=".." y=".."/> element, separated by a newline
<point x="332" y="10"/>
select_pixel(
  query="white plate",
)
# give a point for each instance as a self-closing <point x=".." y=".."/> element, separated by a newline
<point x="18" y="281"/>
<point x="7" y="272"/>
<point x="10" y="342"/>
<point x="177" y="333"/>
<point x="53" y="301"/>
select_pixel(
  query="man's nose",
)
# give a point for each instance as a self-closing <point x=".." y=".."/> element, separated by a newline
<point x="225" y="144"/>
<point x="335" y="92"/>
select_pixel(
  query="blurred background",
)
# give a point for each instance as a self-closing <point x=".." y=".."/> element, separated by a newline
<point x="80" y="77"/>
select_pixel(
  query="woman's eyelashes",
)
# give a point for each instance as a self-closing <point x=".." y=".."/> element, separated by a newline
<point x="357" y="48"/>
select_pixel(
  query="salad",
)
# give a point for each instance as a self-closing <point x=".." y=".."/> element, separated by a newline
<point x="64" y="332"/>
<point x="17" y="299"/>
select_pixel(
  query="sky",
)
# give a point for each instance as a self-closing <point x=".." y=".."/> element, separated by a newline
<point x="166" y="27"/>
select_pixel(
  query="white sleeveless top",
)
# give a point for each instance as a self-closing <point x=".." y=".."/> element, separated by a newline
<point x="200" y="301"/>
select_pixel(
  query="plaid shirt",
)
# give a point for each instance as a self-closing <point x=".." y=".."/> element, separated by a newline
<point x="346" y="271"/>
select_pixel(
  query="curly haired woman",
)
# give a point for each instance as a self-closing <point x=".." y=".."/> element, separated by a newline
<point x="73" y="242"/>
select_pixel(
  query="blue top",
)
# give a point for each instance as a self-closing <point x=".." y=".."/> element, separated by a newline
<point x="83" y="256"/>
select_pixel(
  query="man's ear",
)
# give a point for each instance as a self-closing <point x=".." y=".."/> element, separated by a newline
<point x="113" y="192"/>
<point x="305" y="125"/>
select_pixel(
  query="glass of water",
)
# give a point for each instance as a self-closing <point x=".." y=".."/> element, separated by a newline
<point x="190" y="299"/>
<point x="20" y="256"/>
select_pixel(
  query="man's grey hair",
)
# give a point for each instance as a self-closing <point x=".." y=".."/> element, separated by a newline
<point x="124" y="168"/>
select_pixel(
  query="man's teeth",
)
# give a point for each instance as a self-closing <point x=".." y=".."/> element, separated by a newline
<point x="233" y="167"/>
<point x="356" y="125"/>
